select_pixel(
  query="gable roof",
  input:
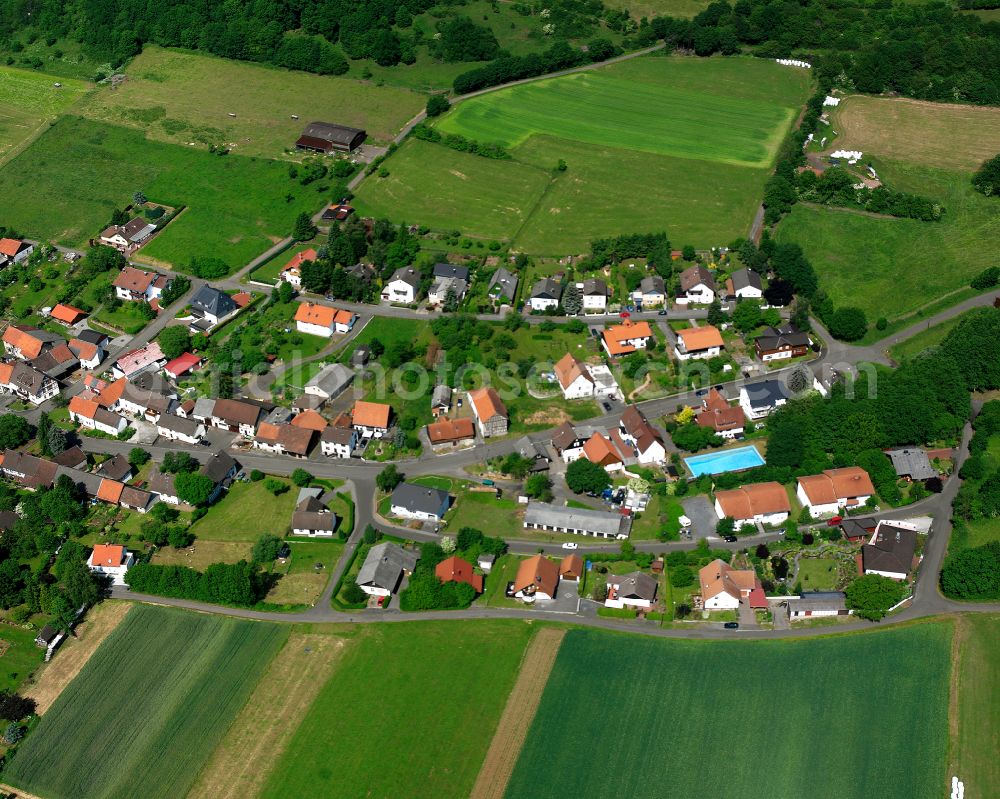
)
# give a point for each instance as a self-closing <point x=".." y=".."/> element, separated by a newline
<point x="419" y="498"/>
<point x="385" y="564"/>
<point x="445" y="430"/>
<point x="454" y="569"/>
<point x="331" y="379"/>
<point x="67" y="314"/>
<point x="546" y="288"/>
<point x="545" y="514"/>
<point x="568" y="369"/>
<point x="745" y="279"/>
<point x="408" y="275"/>
<point x="890" y="548"/>
<point x="310" y="313"/>
<point x="371" y="414"/>
<point x="616" y="338"/>
<point x="599" y="450"/>
<point x="83" y="350"/>
<point x="29" y="340"/>
<point x="218" y="466"/>
<point x="912" y="463"/>
<point x="594" y="287"/>
<point x="182" y="364"/>
<point x="634" y="585"/>
<point x="487" y="403"/>
<point x="134" y="280"/>
<point x="537" y="571"/>
<point x="765" y="393"/>
<point x="211" y="300"/>
<point x="116" y="467"/>
<point x="310" y="420"/>
<point x="107" y="555"/>
<point x="503" y="283"/>
<point x="450" y="270"/>
<point x="719" y="577"/>
<point x="695" y="275"/>
<point x="299" y="258"/>
<point x="236" y="412"/>
<point x="179" y="424"/>
<point x="834" y="485"/>
<point x="755" y="499"/>
<point x="788" y="335"/>
<point x="110" y="491"/>
<point x="571" y="566"/>
<point x="700" y="338"/>
<point x="10" y="247"/>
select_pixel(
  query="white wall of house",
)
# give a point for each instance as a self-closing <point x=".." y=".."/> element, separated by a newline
<point x="93" y="424"/>
<point x="374" y="590"/>
<point x="684" y="355"/>
<point x="407" y="513"/>
<point x="890" y="575"/>
<point x="314" y="330"/>
<point x="398" y="291"/>
<point x="370" y="432"/>
<point x="750" y="411"/>
<point x="313" y="533"/>
<point x="722" y="601"/>
<point x="542" y="303"/>
<point x="749" y="293"/>
<point x="579" y="388"/>
<point x="816" y="511"/>
<point x="595" y="303"/>
<point x="571" y="454"/>
<point x="173" y="435"/>
<point x="779" y="355"/>
<point x="651" y="299"/>
<point x="334" y="450"/>
<point x="697" y="294"/>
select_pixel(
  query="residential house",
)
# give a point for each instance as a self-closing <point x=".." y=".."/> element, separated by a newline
<point x="312" y="518"/>
<point x="485" y="561"/>
<point x="743" y="284"/>
<point x="448" y="277"/>
<point x="112" y="561"/>
<point x="384" y="568"/>
<point x="890" y="550"/>
<point x="441" y="400"/>
<point x="595" y="293"/>
<point x="456" y="570"/>
<point x="48" y="637"/>
<point x="307" y="402"/>
<point x="177" y="428"/>
<point x="503" y="287"/>
<point x="652" y="291"/>
<point x="911" y="464"/>
<point x="27" y="382"/>
<point x="204" y="407"/>
<point x="818" y="603"/>
<point x="626" y="338"/>
<point x="133" y="284"/>
<point x="371" y="419"/>
<point x="28" y="471"/>
<point x="782" y="343"/>
<point x="322" y="320"/>
<point x="411" y="501"/>
<point x="89" y="413"/>
<point x="129" y="237"/>
<point x="568" y="440"/>
<point x="67" y="314"/>
<point x="14" y="251"/>
<point x="236" y="416"/>
<point x="329" y="381"/>
<point x="571" y="567"/>
<point x="28" y="343"/>
<point x="725" y="420"/>
<point x="545" y="294"/>
<point x="89" y="354"/>
<point x="698" y="343"/>
<point x="608" y="450"/>
<point x="72" y="458"/>
<point x="858" y="528"/>
<point x="632" y="590"/>
<point x="723" y="587"/>
<point x="292" y="271"/>
<point x="489" y="410"/>
<point x="535" y="451"/>
<point x="310" y="420"/>
<point x="338" y="442"/>
<point x="451" y="431"/>
<point x="403" y="287"/>
<point x="135" y="362"/>
<point x="639" y="433"/>
<point x="537" y="578"/>
<point x="147" y="403"/>
<point x="221" y="469"/>
<point x="574" y="378"/>
<point x="697" y="286"/>
<point x="56" y="361"/>
<point x="835" y="489"/>
<point x="757" y="503"/>
<point x="579" y="521"/>
<point x="117" y="468"/>
<point x="209" y="307"/>
<point x="284" y="439"/>
<point x="758" y="399"/>
<point x="182" y="365"/>
<point x="136" y="499"/>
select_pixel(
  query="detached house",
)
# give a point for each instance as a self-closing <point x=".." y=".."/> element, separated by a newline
<point x="26" y="382"/>
<point x="595" y="293"/>
<point x="697" y="286"/>
<point x="209" y="307"/>
<point x="626" y="338"/>
<point x="758" y="399"/>
<point x="456" y="570"/>
<point x="890" y="550"/>
<point x="129" y="237"/>
<point x="781" y="343"/>
<point x="574" y="378"/>
<point x="329" y="382"/>
<point x="403" y="286"/>
<point x="448" y="277"/>
<point x="14" y="251"/>
<point x="489" y="410"/>
<point x="827" y="493"/>
<point x="743" y="284"/>
<point x="371" y="419"/>
<point x="321" y="320"/>
<point x="138" y="285"/>
<point x="537" y="578"/>
<point x="723" y="587"/>
<point x="411" y="501"/>
<point x="88" y="353"/>
<point x="112" y="561"/>
<point x="311" y="517"/>
<point x="545" y="294"/>
<point x="652" y="291"/>
<point x="135" y="362"/>
<point x="698" y="343"/>
<point x="757" y="503"/>
<point x="724" y="419"/>
<point x="90" y="414"/>
<point x="503" y="287"/>
<point x="639" y="433"/>
<point x="338" y="442"/>
<point x="633" y="590"/>
<point x="292" y="271"/>
<point x="384" y="568"/>
<point x="177" y="428"/>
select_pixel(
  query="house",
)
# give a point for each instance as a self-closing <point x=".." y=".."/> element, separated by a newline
<point x="632" y="590"/>
<point x="292" y="271"/>
<point x="111" y="560"/>
<point x="535" y="451"/>
<point x="140" y="402"/>
<point x="403" y="286"/>
<point x="626" y="338"/>
<point x="135" y="362"/>
<point x="235" y="416"/>
<point x="698" y="342"/>
<point x="502" y="287"/>
<point x="545" y="294"/>
<point x="595" y="293"/>
<point x="818" y="603"/>
<point x="117" y="468"/>
<point x="448" y="277"/>
<point x="177" y="428"/>
<point x="56" y="361"/>
<point x="607" y="450"/>
<point x="136" y="499"/>
<point x="858" y="528"/>
<point x="489" y="410"/>
<point x="827" y="493"/>
<point x="182" y="365"/>
<point x="209" y="307"/>
<point x="911" y="464"/>
<point x="221" y="469"/>
<point x="568" y="440"/>
<point x="758" y="399"/>
<point x="312" y="518"/>
<point x="697" y="286"/>
<point x="384" y="568"/>
<point x="89" y="354"/>
<point x="27" y="382"/>
<point x="322" y="320"/>
<point x="14" y="251"/>
<point x="89" y="413"/>
<point x="652" y="291"/>
<point x="411" y="501"/>
<point x="337" y="212"/>
<point x="485" y="561"/>
<point x="329" y="137"/>
<point x="782" y="343"/>
<point x="639" y="433"/>
<point x="28" y="471"/>
<point x="284" y="439"/>
<point x="579" y="521"/>
<point x="48" y="639"/>
<point x="338" y="442"/>
<point x="72" y="458"/>
<point x="722" y="586"/>
<point x="537" y="578"/>
<point x="574" y="378"/>
<point x="757" y="503"/>
<point x="310" y="420"/>
<point x="133" y="284"/>
<point x="451" y="431"/>
<point x="743" y="284"/>
<point x="371" y="419"/>
<point x="571" y="567"/>
<point x="67" y="314"/>
<point x="456" y="570"/>
<point x="725" y="420"/>
<point x="441" y="400"/>
<point x="329" y="381"/>
<point x="27" y="343"/>
<point x="361" y="356"/>
<point x="890" y="550"/>
<point x="129" y="237"/>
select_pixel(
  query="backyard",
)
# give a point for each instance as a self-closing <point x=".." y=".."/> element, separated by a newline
<point x="247" y="511"/>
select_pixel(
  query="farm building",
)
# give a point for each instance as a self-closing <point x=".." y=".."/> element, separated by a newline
<point x="579" y="521"/>
<point x="327" y="137"/>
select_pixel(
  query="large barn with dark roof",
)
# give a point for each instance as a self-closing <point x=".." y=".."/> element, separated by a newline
<point x="326" y="137"/>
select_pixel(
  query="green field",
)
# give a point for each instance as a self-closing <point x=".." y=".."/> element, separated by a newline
<point x="27" y="101"/>
<point x="70" y="179"/>
<point x="659" y="8"/>
<point x="20" y="657"/>
<point x="774" y="718"/>
<point x="925" y="339"/>
<point x="974" y="750"/>
<point x="148" y="708"/>
<point x="411" y="712"/>
<point x="245" y="512"/>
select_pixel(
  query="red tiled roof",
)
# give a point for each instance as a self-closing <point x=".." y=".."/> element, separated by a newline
<point x="616" y="338"/>
<point x="10" y="246"/>
<point x="67" y="314"/>
<point x="107" y="555"/>
<point x="451" y="430"/>
<point x="454" y="569"/>
<point x="182" y="364"/>
<point x="371" y="414"/>
<point x="487" y="403"/>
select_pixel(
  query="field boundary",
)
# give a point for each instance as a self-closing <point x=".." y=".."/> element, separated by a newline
<point x="518" y="713"/>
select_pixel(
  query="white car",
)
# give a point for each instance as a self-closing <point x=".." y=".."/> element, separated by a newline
<point x="570" y="545"/>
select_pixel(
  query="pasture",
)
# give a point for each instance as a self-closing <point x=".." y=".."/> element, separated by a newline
<point x="803" y="729"/>
<point x="976" y="704"/>
<point x="153" y="702"/>
<point x="30" y="100"/>
<point x="659" y="8"/>
<point x="410" y="712"/>
<point x="76" y="173"/>
<point x="183" y="97"/>
<point x="941" y="135"/>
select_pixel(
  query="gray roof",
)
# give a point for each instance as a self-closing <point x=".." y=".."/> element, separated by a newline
<point x="408" y="275"/>
<point x="765" y="394"/>
<point x="745" y="278"/>
<point x="204" y="407"/>
<point x="338" y="435"/>
<point x="420" y="498"/>
<point x="332" y="132"/>
<point x="912" y="463"/>
<point x="441" y="396"/>
<point x="218" y="466"/>
<point x="818" y="600"/>
<point x="178" y="424"/>
<point x="547" y="288"/>
<point x="594" y="286"/>
<point x="891" y="549"/>
<point x="211" y="300"/>
<point x="332" y="379"/>
<point x="503" y="283"/>
<point x="450" y="270"/>
<point x="531" y="449"/>
<point x="90" y="483"/>
<point x="161" y="482"/>
<point x="116" y="467"/>
<point x="150" y="400"/>
<point x="653" y="285"/>
<point x="635" y="585"/>
<point x="28" y="379"/>
<point x="154" y="382"/>
<point x="385" y="565"/>
<point x="307" y="493"/>
<point x="785" y="336"/>
<point x="311" y="514"/>
<point x="593" y="521"/>
<point x="92" y="337"/>
<point x="442" y="284"/>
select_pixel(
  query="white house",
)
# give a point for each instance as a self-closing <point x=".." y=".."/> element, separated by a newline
<point x="137" y="284"/>
<point x="129" y="237"/>
<point x="652" y="291"/>
<point x="177" y="428"/>
<point x="835" y="489"/>
<point x="697" y="286"/>
<point x="758" y="399"/>
<point x="574" y="378"/>
<point x="545" y="294"/>
<point x="764" y="503"/>
<point x="89" y="353"/>
<point x="448" y="277"/>
<point x="402" y="286"/>
<point x="818" y="603"/>
<point x="89" y="413"/>
<point x="291" y="272"/>
<point x="722" y="586"/>
<point x="384" y="568"/>
<point x="338" y="442"/>
<point x="412" y="501"/>
<point x="27" y="382"/>
<point x="329" y="382"/>
<point x="210" y="307"/>
<point x="14" y="251"/>
<point x="112" y="561"/>
<point x="371" y="419"/>
<point x="638" y="432"/>
<point x="890" y="550"/>
<point x="594" y="292"/>
<point x="321" y="320"/>
<point x="633" y="590"/>
<point x="311" y="517"/>
<point x="743" y="284"/>
<point x="698" y="343"/>
<point x="626" y="338"/>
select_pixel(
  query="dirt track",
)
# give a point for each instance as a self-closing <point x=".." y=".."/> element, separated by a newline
<point x="517" y="715"/>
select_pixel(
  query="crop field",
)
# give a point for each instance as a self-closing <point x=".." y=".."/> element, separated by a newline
<point x="941" y="135"/>
<point x="153" y="702"/>
<point x="183" y="97"/>
<point x="779" y="719"/>
<point x="27" y="101"/>
<point x="410" y="712"/>
<point x="975" y="708"/>
<point x="72" y="177"/>
<point x="693" y="159"/>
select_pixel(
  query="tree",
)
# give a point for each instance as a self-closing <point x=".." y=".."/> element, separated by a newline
<point x="354" y="594"/>
<point x="762" y="551"/>
<point x="301" y="478"/>
<point x="285" y="293"/>
<point x="688" y="252"/>
<point x="13" y="733"/>
<point x="848" y="324"/>
<point x="178" y="462"/>
<point x="779" y="566"/>
<point x="138" y="198"/>
<point x="871" y="596"/>
<point x="987" y="177"/>
<point x="778" y="292"/>
<point x="138" y="457"/>
<point x="516" y="465"/>
<point x="986" y="279"/>
<point x="193" y="488"/>
<point x="972" y="574"/>
<point x="584" y="476"/>
<point x="275" y="486"/>
<point x="572" y="301"/>
<point x="14" y="431"/>
<point x="716" y="316"/>
<point x="437" y="104"/>
<point x="15" y="707"/>
<point x="389" y="478"/>
<point x="539" y="486"/>
<point x="693" y="437"/>
<point x="681" y="576"/>
<point x="266" y="549"/>
<point x="799" y="380"/>
<point x="725" y="526"/>
<point x="179" y="537"/>
<point x="304" y="229"/>
<point x="56" y="439"/>
<point x="746" y="316"/>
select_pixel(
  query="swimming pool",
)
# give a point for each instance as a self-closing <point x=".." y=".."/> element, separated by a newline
<point x="728" y="460"/>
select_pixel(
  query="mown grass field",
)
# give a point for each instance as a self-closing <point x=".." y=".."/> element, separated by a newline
<point x="28" y="100"/>
<point x="976" y="734"/>
<point x="20" y="657"/>
<point x="183" y="97"/>
<point x="72" y="177"/>
<point x="245" y="512"/>
<point x="146" y="711"/>
<point x="662" y="8"/>
<point x="774" y="718"/>
<point x="410" y="712"/>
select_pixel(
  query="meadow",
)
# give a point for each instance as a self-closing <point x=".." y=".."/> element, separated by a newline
<point x="976" y="705"/>
<point x="410" y="712"/>
<point x="662" y="8"/>
<point x="148" y="708"/>
<point x="182" y="97"/>
<point x="76" y="173"/>
<point x="774" y="718"/>
<point x="245" y="512"/>
<point x="29" y="100"/>
<point x="925" y="339"/>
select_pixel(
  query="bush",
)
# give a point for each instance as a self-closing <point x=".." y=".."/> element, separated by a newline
<point x="437" y="104"/>
<point x="681" y="576"/>
<point x="301" y="478"/>
<point x="256" y="476"/>
<point x="972" y="574"/>
<point x="275" y="486"/>
<point x="986" y="279"/>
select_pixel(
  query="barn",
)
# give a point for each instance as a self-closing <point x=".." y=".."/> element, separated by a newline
<point x="326" y="137"/>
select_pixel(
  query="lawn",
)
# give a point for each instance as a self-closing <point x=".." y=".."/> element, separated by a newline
<point x="410" y="712"/>
<point x="388" y="331"/>
<point x="482" y="510"/>
<point x="821" y="730"/>
<point x="925" y="339"/>
<point x="183" y="97"/>
<point x="169" y="683"/>
<point x="19" y="656"/>
<point x="73" y="176"/>
<point x="203" y="554"/>
<point x="301" y="582"/>
<point x="28" y="100"/>
<point x="661" y="516"/>
<point x="659" y="8"/>
<point x="977" y="675"/>
<point x="247" y="511"/>
<point x="818" y="574"/>
<point x="269" y="271"/>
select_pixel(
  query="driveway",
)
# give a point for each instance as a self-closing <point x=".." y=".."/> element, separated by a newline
<point x="567" y="599"/>
<point x="702" y="516"/>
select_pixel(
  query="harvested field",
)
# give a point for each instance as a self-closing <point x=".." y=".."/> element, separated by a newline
<point x="265" y="726"/>
<point x="517" y="714"/>
<point x="75" y="652"/>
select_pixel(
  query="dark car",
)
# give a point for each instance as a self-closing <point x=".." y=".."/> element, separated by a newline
<point x="732" y="625"/>
<point x="607" y="406"/>
<point x="730" y="539"/>
<point x="662" y="312"/>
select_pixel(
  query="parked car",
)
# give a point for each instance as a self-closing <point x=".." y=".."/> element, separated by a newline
<point x="732" y="625"/>
<point x="607" y="406"/>
<point x="570" y="545"/>
<point x="661" y="312"/>
<point x="730" y="539"/>
<point x="835" y="521"/>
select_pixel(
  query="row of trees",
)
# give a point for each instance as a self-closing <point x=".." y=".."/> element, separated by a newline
<point x="836" y="186"/>
<point x="242" y="584"/>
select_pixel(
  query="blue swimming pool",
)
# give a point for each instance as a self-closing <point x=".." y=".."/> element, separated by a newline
<point x="728" y="460"/>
